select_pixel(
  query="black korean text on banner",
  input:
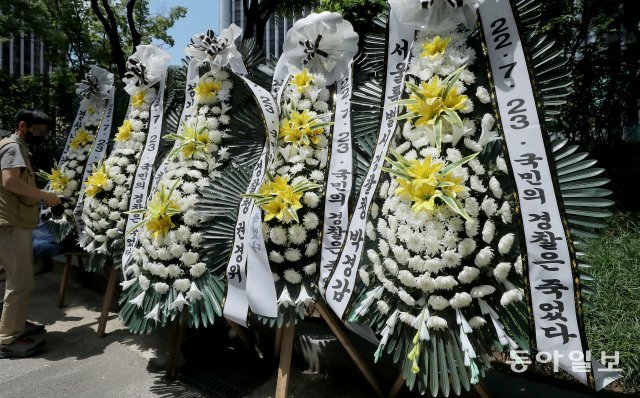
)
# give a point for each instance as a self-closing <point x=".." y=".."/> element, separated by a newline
<point x="142" y="178"/>
<point x="249" y="279"/>
<point x="551" y="277"/>
<point x="340" y="285"/>
<point x="339" y="182"/>
<point x="97" y="154"/>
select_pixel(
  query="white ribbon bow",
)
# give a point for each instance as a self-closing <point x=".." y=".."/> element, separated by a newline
<point x="218" y="51"/>
<point x="436" y="15"/>
<point x="96" y="84"/>
<point x="145" y="68"/>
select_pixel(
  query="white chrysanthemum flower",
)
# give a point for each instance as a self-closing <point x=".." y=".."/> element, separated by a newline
<point x="483" y="95"/>
<point x="489" y="206"/>
<point x="451" y="259"/>
<point x="505" y="213"/>
<point x="438" y="302"/>
<point x="373" y="256"/>
<point x="276" y="257"/>
<point x="364" y="276"/>
<point x="495" y="187"/>
<point x="477" y="322"/>
<point x="292" y="276"/>
<point x="407" y="278"/>
<point x="189" y="258"/>
<point x="502" y="164"/>
<point x="144" y="282"/>
<point x="311" y="199"/>
<point x="518" y="265"/>
<point x="401" y="254"/>
<point x="471" y="227"/>
<point x="468" y="274"/>
<point x="391" y="266"/>
<point x="382" y="306"/>
<point x="466" y="247"/>
<point x="292" y="255"/>
<point x="501" y="271"/>
<point x="460" y="300"/>
<point x="177" y="250"/>
<point x="488" y="231"/>
<point x="173" y="270"/>
<point x="482" y="290"/>
<point x="311" y="249"/>
<point x="434" y="265"/>
<point x="316" y="175"/>
<point x="436" y="323"/>
<point x="426" y="283"/>
<point x="198" y="269"/>
<point x="484" y="257"/>
<point x="471" y="206"/>
<point x="407" y="318"/>
<point x="182" y="285"/>
<point x="161" y="287"/>
<point x="194" y="294"/>
<point x="505" y="243"/>
<point x="191" y="218"/>
<point x="196" y="239"/>
<point x="511" y="296"/>
<point x="406" y="298"/>
<point x="476" y="184"/>
<point x="310" y="221"/>
<point x="310" y="269"/>
<point x="297" y="234"/>
<point x="446" y="282"/>
<point x="278" y="235"/>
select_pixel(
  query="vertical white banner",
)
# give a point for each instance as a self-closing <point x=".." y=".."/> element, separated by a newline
<point x="249" y="279"/>
<point x="97" y="154"/>
<point x="551" y="276"/>
<point x="340" y="285"/>
<point x="142" y="178"/>
<point x="339" y="182"/>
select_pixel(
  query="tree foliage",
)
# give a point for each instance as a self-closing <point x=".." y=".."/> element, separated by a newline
<point x="359" y="12"/>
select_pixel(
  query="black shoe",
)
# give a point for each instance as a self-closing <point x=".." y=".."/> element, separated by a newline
<point x="32" y="329"/>
<point x="21" y="348"/>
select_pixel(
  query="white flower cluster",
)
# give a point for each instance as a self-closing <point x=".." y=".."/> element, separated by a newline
<point x="168" y="259"/>
<point x="302" y="154"/>
<point x="434" y="262"/>
<point x="108" y="189"/>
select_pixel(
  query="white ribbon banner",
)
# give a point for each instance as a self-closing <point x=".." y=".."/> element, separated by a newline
<point x="187" y="111"/>
<point x="340" y="286"/>
<point x="142" y="178"/>
<point x="549" y="260"/>
<point x="250" y="282"/>
<point x="339" y="182"/>
<point x="97" y="154"/>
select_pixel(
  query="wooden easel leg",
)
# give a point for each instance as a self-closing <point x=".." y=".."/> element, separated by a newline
<point x="482" y="392"/>
<point x="277" y="344"/>
<point x="63" y="282"/>
<point x="397" y="386"/>
<point x="177" y="333"/>
<point x="344" y="340"/>
<point x="107" y="300"/>
<point x="284" y="370"/>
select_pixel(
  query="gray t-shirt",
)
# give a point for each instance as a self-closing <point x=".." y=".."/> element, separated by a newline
<point x="11" y="157"/>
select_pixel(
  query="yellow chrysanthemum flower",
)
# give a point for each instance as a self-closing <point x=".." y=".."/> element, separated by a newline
<point x="429" y="101"/>
<point x="206" y="90"/>
<point x="138" y="99"/>
<point x="81" y="139"/>
<point x="97" y="181"/>
<point x="453" y="101"/>
<point x="450" y="185"/>
<point x="58" y="180"/>
<point x="124" y="131"/>
<point x="436" y="46"/>
<point x="302" y="80"/>
<point x="301" y="129"/>
<point x="194" y="140"/>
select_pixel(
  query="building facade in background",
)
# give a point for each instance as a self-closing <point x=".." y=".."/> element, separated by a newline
<point x="232" y="11"/>
<point x="23" y="54"/>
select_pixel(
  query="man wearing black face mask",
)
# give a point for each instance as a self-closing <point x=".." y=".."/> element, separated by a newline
<point x="19" y="200"/>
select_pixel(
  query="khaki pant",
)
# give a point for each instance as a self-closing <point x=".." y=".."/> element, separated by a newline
<point x="16" y="257"/>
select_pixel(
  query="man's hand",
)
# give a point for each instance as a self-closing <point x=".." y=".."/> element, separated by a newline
<point x="50" y="199"/>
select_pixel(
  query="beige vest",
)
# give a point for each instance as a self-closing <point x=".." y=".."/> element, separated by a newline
<point x="17" y="210"/>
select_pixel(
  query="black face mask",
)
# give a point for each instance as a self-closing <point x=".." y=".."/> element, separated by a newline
<point x="34" y="140"/>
